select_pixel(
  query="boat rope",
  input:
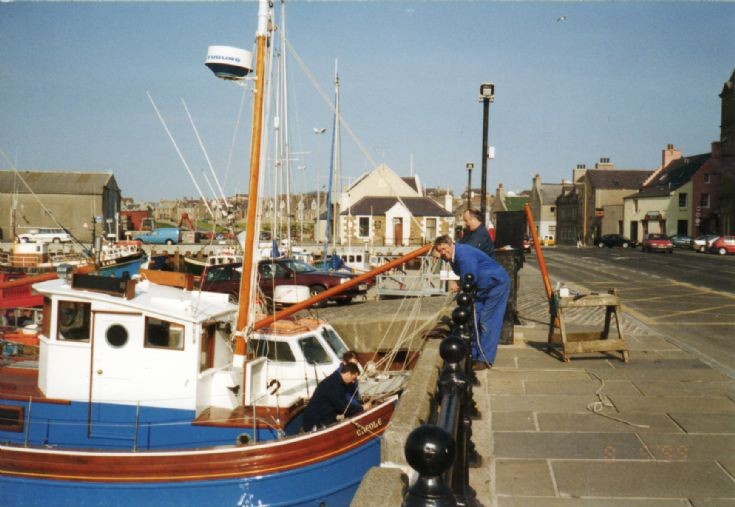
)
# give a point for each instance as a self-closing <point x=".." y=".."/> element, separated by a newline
<point x="596" y="407"/>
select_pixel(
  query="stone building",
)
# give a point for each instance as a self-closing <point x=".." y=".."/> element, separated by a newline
<point x="73" y="200"/>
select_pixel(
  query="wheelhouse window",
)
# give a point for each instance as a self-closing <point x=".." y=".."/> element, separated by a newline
<point x="364" y="227"/>
<point x="73" y="323"/>
<point x="11" y="418"/>
<point x="334" y="342"/>
<point x="271" y="349"/>
<point x="313" y="351"/>
<point x="161" y="334"/>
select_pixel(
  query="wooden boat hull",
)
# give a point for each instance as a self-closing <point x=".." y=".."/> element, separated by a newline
<point x="306" y="469"/>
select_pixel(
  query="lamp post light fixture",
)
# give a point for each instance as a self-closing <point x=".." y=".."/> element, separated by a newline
<point x="469" y="166"/>
<point x="487" y="95"/>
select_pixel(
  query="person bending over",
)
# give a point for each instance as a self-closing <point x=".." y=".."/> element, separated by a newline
<point x="491" y="297"/>
<point x="331" y="399"/>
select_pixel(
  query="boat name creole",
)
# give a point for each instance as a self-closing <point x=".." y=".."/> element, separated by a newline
<point x="369" y="427"/>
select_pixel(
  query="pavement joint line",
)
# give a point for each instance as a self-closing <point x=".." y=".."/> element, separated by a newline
<point x="554" y="484"/>
<point x="643" y="444"/>
<point x="692" y="312"/>
<point x="717" y="462"/>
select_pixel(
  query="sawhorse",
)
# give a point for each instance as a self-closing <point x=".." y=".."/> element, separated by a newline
<point x="586" y="342"/>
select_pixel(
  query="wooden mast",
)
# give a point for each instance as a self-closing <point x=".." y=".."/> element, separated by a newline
<point x="246" y="280"/>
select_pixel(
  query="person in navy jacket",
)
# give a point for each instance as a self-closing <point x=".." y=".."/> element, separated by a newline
<point x="475" y="234"/>
<point x="491" y="297"/>
<point x="330" y="399"/>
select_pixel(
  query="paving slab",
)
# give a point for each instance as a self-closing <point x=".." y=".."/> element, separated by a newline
<point x="596" y="360"/>
<point x="640" y="479"/>
<point x="537" y="374"/>
<point x="523" y="477"/>
<point x="589" y="422"/>
<point x="502" y="385"/>
<point x="514" y="421"/>
<point x="705" y="388"/>
<point x="653" y="360"/>
<point x="624" y="387"/>
<point x="549" y="445"/>
<point x="643" y="372"/>
<point x="705" y="423"/>
<point x="525" y="501"/>
<point x="665" y="404"/>
<point x="684" y="447"/>
<point x="713" y="502"/>
<point x="540" y="403"/>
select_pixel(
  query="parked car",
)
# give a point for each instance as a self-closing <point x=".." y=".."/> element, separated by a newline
<point x="45" y="235"/>
<point x="611" y="240"/>
<point x="723" y="245"/>
<point x="161" y="236"/>
<point x="657" y="243"/>
<point x="681" y="240"/>
<point x="274" y="272"/>
<point x="703" y="242"/>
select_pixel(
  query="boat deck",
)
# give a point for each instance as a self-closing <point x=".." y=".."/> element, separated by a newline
<point x="20" y="384"/>
<point x="245" y="417"/>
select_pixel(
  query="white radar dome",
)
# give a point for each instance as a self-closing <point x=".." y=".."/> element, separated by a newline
<point x="228" y="62"/>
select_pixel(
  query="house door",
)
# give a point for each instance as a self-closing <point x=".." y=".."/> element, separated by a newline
<point x="398" y="231"/>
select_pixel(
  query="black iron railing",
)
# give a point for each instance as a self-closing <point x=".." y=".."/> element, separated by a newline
<point x="442" y="450"/>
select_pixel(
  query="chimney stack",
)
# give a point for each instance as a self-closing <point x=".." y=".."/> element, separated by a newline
<point x="669" y="155"/>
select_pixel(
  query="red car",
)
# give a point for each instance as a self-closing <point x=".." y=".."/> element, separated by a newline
<point x="723" y="245"/>
<point x="657" y="243"/>
<point x="274" y="272"/>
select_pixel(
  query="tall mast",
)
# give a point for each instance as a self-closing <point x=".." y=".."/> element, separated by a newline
<point x="334" y="161"/>
<point x="248" y="275"/>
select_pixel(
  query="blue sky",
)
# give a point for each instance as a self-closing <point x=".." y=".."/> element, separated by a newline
<point x="618" y="80"/>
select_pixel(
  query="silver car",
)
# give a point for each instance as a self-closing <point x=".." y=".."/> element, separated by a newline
<point x="703" y="242"/>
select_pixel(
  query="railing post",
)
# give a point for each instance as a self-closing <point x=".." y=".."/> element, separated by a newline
<point x="430" y="451"/>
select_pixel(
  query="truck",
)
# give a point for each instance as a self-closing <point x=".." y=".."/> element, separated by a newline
<point x="161" y="236"/>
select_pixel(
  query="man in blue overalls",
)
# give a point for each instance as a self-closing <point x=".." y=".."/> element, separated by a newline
<point x="493" y="289"/>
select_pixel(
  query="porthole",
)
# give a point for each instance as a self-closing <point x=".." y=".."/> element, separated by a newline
<point x="117" y="335"/>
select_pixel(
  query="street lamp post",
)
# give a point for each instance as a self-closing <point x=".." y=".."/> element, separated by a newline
<point x="487" y="95"/>
<point x="469" y="166"/>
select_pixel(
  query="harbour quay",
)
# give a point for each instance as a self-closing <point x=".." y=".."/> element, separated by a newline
<point x="658" y="430"/>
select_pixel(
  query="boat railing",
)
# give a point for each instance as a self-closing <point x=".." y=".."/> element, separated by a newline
<point x="442" y="451"/>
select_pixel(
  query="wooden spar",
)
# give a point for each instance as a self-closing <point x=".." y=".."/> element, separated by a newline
<point x="255" y="149"/>
<point x="51" y="275"/>
<point x="20" y="282"/>
<point x="341" y="288"/>
<point x="537" y="247"/>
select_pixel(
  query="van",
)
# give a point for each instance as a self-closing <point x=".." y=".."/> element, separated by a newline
<point x="45" y="235"/>
<point x="161" y="236"/>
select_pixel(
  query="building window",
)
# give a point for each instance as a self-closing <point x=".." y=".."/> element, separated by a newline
<point x="431" y="227"/>
<point x="704" y="200"/>
<point x="74" y="321"/>
<point x="364" y="227"/>
<point x="683" y="200"/>
<point x="161" y="334"/>
<point x="706" y="178"/>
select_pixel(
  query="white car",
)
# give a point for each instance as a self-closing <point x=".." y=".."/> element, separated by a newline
<point x="45" y="235"/>
<point x="703" y="242"/>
